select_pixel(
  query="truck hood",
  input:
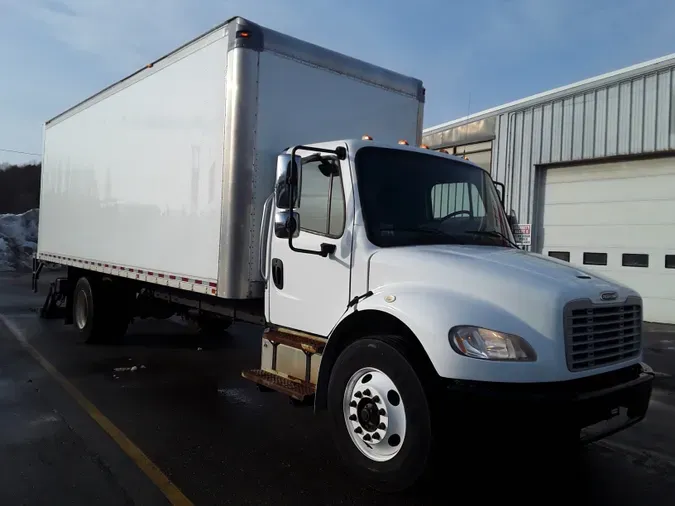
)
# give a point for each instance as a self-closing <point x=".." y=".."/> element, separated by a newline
<point x="505" y="276"/>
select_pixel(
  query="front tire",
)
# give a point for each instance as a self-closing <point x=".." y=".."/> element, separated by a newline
<point x="380" y="416"/>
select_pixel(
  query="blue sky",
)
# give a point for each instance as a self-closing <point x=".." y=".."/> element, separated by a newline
<point x="471" y="55"/>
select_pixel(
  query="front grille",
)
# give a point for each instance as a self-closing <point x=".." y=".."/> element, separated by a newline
<point x="597" y="335"/>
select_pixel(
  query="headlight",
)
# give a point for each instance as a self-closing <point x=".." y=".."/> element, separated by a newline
<point x="488" y="344"/>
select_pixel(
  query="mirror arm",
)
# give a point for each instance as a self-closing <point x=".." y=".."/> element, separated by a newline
<point x="326" y="249"/>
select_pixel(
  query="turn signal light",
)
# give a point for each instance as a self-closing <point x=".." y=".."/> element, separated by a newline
<point x="403" y="142"/>
<point x="366" y="138"/>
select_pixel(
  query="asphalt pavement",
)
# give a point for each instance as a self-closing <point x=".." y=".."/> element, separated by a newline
<point x="180" y="400"/>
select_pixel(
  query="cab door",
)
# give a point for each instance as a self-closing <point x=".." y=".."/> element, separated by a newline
<point x="304" y="291"/>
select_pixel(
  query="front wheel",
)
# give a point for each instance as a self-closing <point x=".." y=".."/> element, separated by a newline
<point x="379" y="413"/>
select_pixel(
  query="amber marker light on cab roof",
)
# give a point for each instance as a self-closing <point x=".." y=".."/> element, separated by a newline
<point x="424" y="146"/>
<point x="403" y="142"/>
<point x="366" y="138"/>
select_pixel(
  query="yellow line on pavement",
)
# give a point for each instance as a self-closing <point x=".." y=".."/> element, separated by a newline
<point x="172" y="493"/>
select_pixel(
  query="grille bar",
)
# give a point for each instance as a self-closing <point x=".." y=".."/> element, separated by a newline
<point x="595" y="342"/>
<point x="593" y="333"/>
<point x="596" y="350"/>
<point x="602" y="334"/>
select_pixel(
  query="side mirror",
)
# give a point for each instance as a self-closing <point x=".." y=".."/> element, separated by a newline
<point x="286" y="224"/>
<point x="288" y="182"/>
<point x="513" y="219"/>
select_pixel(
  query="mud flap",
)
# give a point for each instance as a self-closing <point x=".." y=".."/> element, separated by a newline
<point x="55" y="305"/>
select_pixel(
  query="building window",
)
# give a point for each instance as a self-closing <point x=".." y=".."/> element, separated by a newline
<point x="595" y="258"/>
<point x="322" y="201"/>
<point x="635" y="260"/>
<point x="560" y="255"/>
<point x="670" y="261"/>
<point x="479" y="153"/>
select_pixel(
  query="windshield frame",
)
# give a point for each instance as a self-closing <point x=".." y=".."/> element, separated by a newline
<point x="490" y="197"/>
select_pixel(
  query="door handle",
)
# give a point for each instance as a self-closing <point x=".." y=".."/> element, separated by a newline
<point x="278" y="273"/>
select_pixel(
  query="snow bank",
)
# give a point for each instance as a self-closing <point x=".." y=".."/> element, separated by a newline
<point x="18" y="240"/>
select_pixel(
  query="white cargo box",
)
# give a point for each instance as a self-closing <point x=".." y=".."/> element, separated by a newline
<point x="162" y="176"/>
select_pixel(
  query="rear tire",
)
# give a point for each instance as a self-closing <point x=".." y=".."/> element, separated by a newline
<point x="100" y="313"/>
<point x="400" y="455"/>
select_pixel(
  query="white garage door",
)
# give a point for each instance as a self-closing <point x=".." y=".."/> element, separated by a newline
<point x="618" y="219"/>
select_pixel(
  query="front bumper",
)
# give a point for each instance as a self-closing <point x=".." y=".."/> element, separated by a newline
<point x="597" y="406"/>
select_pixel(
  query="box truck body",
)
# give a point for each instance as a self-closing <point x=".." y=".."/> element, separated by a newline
<point x="162" y="176"/>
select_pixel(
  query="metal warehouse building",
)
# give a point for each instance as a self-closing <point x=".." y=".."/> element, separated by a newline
<point x="591" y="166"/>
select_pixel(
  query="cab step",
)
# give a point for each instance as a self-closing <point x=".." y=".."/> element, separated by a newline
<point x="295" y="389"/>
<point x="305" y="342"/>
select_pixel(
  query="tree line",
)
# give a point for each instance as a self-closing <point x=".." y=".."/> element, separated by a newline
<point x="19" y="188"/>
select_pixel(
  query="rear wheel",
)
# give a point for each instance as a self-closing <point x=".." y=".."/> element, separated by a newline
<point x="100" y="312"/>
<point x="380" y="416"/>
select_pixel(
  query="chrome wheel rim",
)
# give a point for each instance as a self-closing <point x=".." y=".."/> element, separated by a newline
<point x="374" y="414"/>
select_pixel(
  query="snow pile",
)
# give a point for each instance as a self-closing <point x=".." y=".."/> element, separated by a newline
<point x="18" y="240"/>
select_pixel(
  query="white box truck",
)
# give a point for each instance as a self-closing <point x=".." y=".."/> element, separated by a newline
<point x="252" y="176"/>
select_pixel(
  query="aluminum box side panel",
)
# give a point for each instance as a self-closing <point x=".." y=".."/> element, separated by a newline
<point x="304" y="104"/>
<point x="132" y="177"/>
<point x="239" y="176"/>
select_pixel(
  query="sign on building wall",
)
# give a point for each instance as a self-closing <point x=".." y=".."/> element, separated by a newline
<point x="522" y="233"/>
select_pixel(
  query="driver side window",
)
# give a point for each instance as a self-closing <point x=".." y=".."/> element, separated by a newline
<point x="322" y="201"/>
<point x="448" y="198"/>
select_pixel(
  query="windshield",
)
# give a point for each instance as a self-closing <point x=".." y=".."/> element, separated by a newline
<point x="411" y="198"/>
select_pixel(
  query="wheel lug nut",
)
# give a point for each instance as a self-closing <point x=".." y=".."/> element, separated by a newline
<point x="352" y="418"/>
<point x="366" y="392"/>
<point x="376" y="436"/>
<point x="383" y="412"/>
<point x="382" y="426"/>
<point x="358" y="430"/>
<point x="352" y="404"/>
<point x="366" y="437"/>
<point x="358" y="394"/>
<point x="376" y="399"/>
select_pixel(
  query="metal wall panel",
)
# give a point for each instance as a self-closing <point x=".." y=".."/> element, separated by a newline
<point x="663" y="105"/>
<point x="637" y="113"/>
<point x="625" y="96"/>
<point x="612" y="136"/>
<point x="526" y="168"/>
<point x="600" y="123"/>
<point x="649" y="127"/>
<point x="546" y="133"/>
<point x="589" y="125"/>
<point x="567" y="129"/>
<point x="556" y="134"/>
<point x="629" y="115"/>
<point x="514" y="183"/>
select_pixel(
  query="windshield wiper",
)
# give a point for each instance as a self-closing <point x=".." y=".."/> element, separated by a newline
<point x="493" y="233"/>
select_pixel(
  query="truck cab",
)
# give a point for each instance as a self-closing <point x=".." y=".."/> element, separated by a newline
<point x="394" y="292"/>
